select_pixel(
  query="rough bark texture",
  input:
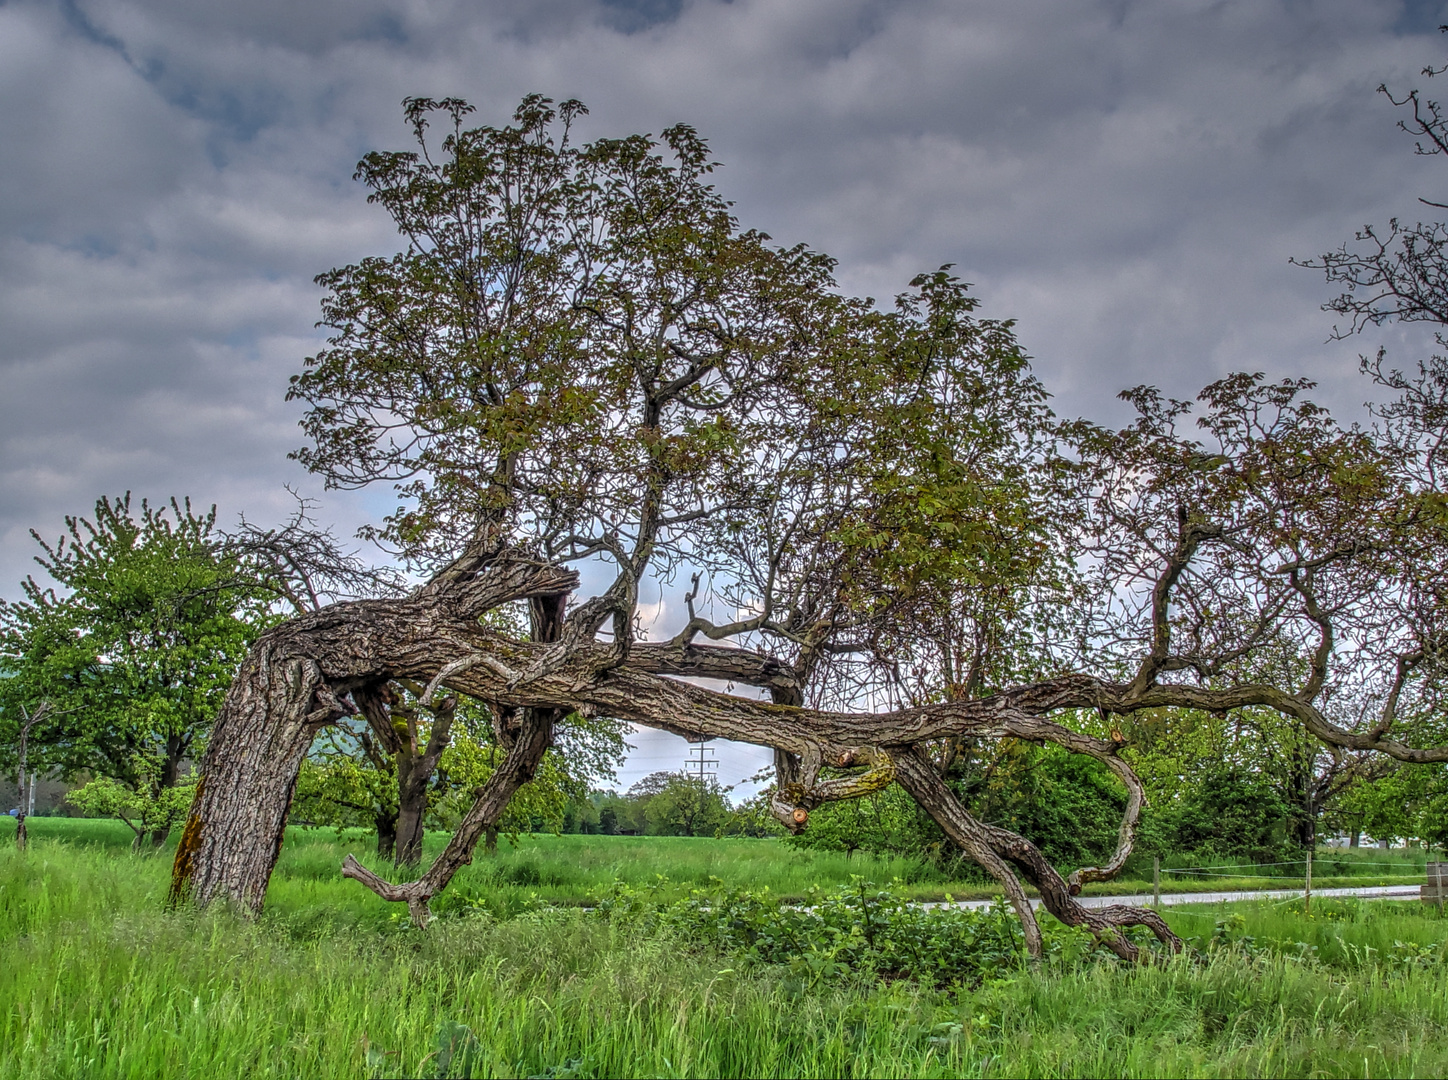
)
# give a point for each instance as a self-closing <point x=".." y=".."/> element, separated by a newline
<point x="233" y="834"/>
<point x="292" y="684"/>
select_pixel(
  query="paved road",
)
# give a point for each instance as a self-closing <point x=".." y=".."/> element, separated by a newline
<point x="1365" y="892"/>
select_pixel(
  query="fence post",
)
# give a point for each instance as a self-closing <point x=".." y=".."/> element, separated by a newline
<point x="1438" y="873"/>
<point x="1156" y="881"/>
<point x="1307" y="891"/>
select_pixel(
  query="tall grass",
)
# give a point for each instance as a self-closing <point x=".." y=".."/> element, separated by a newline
<point x="97" y="980"/>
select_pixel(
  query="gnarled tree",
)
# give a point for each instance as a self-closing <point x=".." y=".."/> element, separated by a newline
<point x="581" y="361"/>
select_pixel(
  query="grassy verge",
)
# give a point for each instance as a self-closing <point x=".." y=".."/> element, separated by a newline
<point x="97" y="980"/>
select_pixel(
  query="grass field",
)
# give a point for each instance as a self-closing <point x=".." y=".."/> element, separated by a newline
<point x="96" y="980"/>
<point x="571" y="870"/>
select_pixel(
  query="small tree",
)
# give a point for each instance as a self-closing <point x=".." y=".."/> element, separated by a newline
<point x="685" y="806"/>
<point x="135" y="643"/>
<point x="26" y="725"/>
<point x="146" y="807"/>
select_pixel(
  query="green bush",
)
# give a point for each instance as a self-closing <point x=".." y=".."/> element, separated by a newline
<point x="1067" y="805"/>
<point x="1230" y="813"/>
<point x="862" y="931"/>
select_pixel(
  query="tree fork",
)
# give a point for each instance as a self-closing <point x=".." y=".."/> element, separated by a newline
<point x="525" y="752"/>
<point x="533" y="740"/>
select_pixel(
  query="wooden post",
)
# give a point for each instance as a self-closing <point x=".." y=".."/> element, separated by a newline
<point x="1156" y="881"/>
<point x="1307" y="891"/>
<point x="1432" y="891"/>
<point x="27" y="722"/>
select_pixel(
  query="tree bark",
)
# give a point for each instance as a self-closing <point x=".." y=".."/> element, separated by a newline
<point x="920" y="778"/>
<point x="291" y="685"/>
<point x="234" y="832"/>
<point x="412" y="809"/>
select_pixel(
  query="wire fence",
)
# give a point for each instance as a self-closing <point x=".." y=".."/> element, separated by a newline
<point x="1329" y="868"/>
<point x="1296" y="897"/>
<point x="1216" y="870"/>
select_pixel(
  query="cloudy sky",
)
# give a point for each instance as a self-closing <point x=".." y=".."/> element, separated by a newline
<point x="1127" y="179"/>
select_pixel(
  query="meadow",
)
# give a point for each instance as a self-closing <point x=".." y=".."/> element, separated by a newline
<point x="515" y="978"/>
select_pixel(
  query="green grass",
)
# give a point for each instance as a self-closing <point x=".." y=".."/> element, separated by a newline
<point x="567" y="870"/>
<point x="571" y="870"/>
<point x="97" y="980"/>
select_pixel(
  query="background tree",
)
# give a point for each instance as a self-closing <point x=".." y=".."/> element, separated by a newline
<point x="134" y="643"/>
<point x="25" y="722"/>
<point x="1405" y="804"/>
<point x="1247" y="784"/>
<point x="679" y="805"/>
<point x="145" y="807"/>
<point x="350" y="778"/>
<point x="888" y="822"/>
<point x="135" y="640"/>
<point x="348" y="781"/>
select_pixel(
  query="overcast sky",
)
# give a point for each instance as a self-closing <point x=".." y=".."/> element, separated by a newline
<point x="1126" y="179"/>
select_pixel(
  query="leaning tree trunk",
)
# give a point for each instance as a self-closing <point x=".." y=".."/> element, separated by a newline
<point x="295" y="681"/>
<point x="234" y="832"/>
<point x="305" y="673"/>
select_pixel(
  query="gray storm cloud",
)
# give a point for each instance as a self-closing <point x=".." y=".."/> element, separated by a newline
<point x="1128" y="180"/>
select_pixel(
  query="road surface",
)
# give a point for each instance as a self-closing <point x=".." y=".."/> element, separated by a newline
<point x="1362" y="892"/>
